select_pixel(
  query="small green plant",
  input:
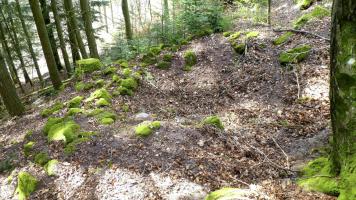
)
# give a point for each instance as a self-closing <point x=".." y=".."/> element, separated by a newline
<point x="26" y="184"/>
<point x="6" y="165"/>
<point x="167" y="57"/>
<point x="190" y="58"/>
<point x="163" y="65"/>
<point x="27" y="148"/>
<point x="213" y="121"/>
<point x="41" y="158"/>
<point x="81" y="86"/>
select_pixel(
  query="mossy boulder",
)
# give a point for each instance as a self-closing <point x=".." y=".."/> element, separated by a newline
<point x="41" y="158"/>
<point x="305" y="4"/>
<point x="50" y="167"/>
<point x="50" y="122"/>
<point x="129" y="83"/>
<point x="190" y="58"/>
<point x="103" y="116"/>
<point x="116" y="78"/>
<point x="27" y="148"/>
<point x="125" y="91"/>
<point x="163" y="65"/>
<point x="294" y="55"/>
<point x="81" y="86"/>
<point x="318" y="176"/>
<point x="51" y="110"/>
<point x="283" y="38"/>
<point x="98" y="94"/>
<point x="65" y="130"/>
<point x="239" y="47"/>
<point x="26" y="184"/>
<point x="75" y="102"/>
<point x="146" y="128"/>
<point x="102" y="102"/>
<point x="88" y="65"/>
<point x="213" y="121"/>
<point x="74" y="111"/>
<point x="318" y="12"/>
<point x="107" y="121"/>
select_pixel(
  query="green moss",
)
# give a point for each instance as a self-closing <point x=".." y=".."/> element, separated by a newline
<point x="125" y="91"/>
<point x="318" y="12"/>
<point x="80" y="86"/>
<point x="305" y="4"/>
<point x="190" y="58"/>
<point x="101" y="114"/>
<point x="149" y="59"/>
<point x="214" y="121"/>
<point x="294" y="55"/>
<point x="50" y="167"/>
<point x="129" y="83"/>
<point x="167" y="57"/>
<point x="100" y="83"/>
<point x="41" y="158"/>
<point x="146" y="128"/>
<point x="53" y="109"/>
<point x="88" y="65"/>
<point x="252" y="34"/>
<point x="72" y="146"/>
<point x="235" y="36"/>
<point x="27" y="148"/>
<point x="26" y="184"/>
<point x="116" y="78"/>
<point x="318" y="176"/>
<point x="50" y="123"/>
<point x="123" y="63"/>
<point x="109" y="70"/>
<point x="74" y="111"/>
<point x="225" y="194"/>
<point x="227" y="33"/>
<point x="28" y="135"/>
<point x="239" y="47"/>
<point x="65" y="131"/>
<point x="126" y="72"/>
<point x="107" y="121"/>
<point x="283" y="38"/>
<point x="99" y="93"/>
<point x="102" y="102"/>
<point x="163" y="65"/>
<point x="75" y="102"/>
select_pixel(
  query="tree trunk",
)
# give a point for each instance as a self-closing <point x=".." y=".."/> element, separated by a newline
<point x="62" y="44"/>
<point x="126" y="13"/>
<point x="73" y="42"/>
<point x="46" y="45"/>
<point x="106" y="19"/>
<point x="47" y="19"/>
<point x="68" y="6"/>
<point x="343" y="94"/>
<point x="112" y="14"/>
<point x="269" y="12"/>
<point x="29" y="43"/>
<point x="8" y="91"/>
<point x="86" y="13"/>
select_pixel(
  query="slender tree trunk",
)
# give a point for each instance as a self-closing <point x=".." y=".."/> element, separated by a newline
<point x="70" y="12"/>
<point x="9" y="58"/>
<point x="8" y="91"/>
<point x="269" y="12"/>
<point x="112" y="14"/>
<point x="106" y="19"/>
<point x="86" y="13"/>
<point x="343" y="94"/>
<point x="13" y="35"/>
<point x="29" y="43"/>
<point x="73" y="42"/>
<point x="62" y="44"/>
<point x="47" y="19"/>
<point x="46" y="45"/>
<point x="126" y="13"/>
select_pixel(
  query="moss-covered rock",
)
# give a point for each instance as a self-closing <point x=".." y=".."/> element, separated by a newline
<point x="235" y="36"/>
<point x="239" y="47"/>
<point x="318" y="176"/>
<point x="213" y="121"/>
<point x="66" y="131"/>
<point x="116" y="78"/>
<point x="26" y="184"/>
<point x="102" y="102"/>
<point x="75" y="102"/>
<point x="109" y="70"/>
<point x="99" y="93"/>
<point x="163" y="65"/>
<point x="124" y="91"/>
<point x="252" y="34"/>
<point x="51" y="110"/>
<point x="294" y="55"/>
<point x="318" y="12"/>
<point x="123" y="63"/>
<point x="283" y="38"/>
<point x="129" y="83"/>
<point x="27" y="148"/>
<point x="126" y="72"/>
<point x="74" y="111"/>
<point x="42" y="158"/>
<point x="81" y="86"/>
<point x="190" y="58"/>
<point x="103" y="116"/>
<point x="51" y="122"/>
<point x="88" y="65"/>
<point x="146" y="128"/>
<point x="107" y="121"/>
<point x="305" y="4"/>
<point x="50" y="167"/>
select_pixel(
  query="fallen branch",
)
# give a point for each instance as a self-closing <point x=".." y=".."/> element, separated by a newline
<point x="302" y="32"/>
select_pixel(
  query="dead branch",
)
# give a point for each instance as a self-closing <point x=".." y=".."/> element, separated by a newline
<point x="302" y="32"/>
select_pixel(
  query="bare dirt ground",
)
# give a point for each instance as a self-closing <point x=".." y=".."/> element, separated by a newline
<point x="269" y="131"/>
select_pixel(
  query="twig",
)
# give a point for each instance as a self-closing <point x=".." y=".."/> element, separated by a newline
<point x="285" y="154"/>
<point x="298" y="85"/>
<point x="302" y="32"/>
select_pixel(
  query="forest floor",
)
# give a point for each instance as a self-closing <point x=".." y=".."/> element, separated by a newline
<point x="275" y="121"/>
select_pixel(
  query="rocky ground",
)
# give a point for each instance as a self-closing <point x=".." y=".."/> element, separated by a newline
<point x="275" y="120"/>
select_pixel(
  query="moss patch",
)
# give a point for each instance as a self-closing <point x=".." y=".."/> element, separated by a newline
<point x="227" y="33"/>
<point x="88" y="65"/>
<point x="51" y="122"/>
<point x="109" y="70"/>
<point x="104" y="116"/>
<point x="81" y="86"/>
<point x="74" y="111"/>
<point x="149" y="59"/>
<point x="50" y="167"/>
<point x="252" y="34"/>
<point x="213" y="121"/>
<point x="53" y="109"/>
<point x="26" y="184"/>
<point x="305" y="4"/>
<point x="225" y="193"/>
<point x="100" y="83"/>
<point x="65" y="131"/>
<point x="294" y="55"/>
<point x="102" y="102"/>
<point x="239" y="47"/>
<point x="283" y="38"/>
<point x="190" y="58"/>
<point x="98" y="94"/>
<point x="41" y="158"/>
<point x="318" y="12"/>
<point x="27" y="148"/>
<point x="75" y="102"/>
<point x="146" y="128"/>
<point x="107" y="121"/>
<point x="235" y="36"/>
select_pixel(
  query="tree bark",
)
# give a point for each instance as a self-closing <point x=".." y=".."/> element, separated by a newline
<point x="47" y="19"/>
<point x="62" y="44"/>
<point x="269" y="12"/>
<point x="343" y="94"/>
<point x="8" y="91"/>
<point x="86" y="14"/>
<point x="68" y="6"/>
<point x="46" y="45"/>
<point x="29" y="43"/>
<point x="126" y="13"/>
